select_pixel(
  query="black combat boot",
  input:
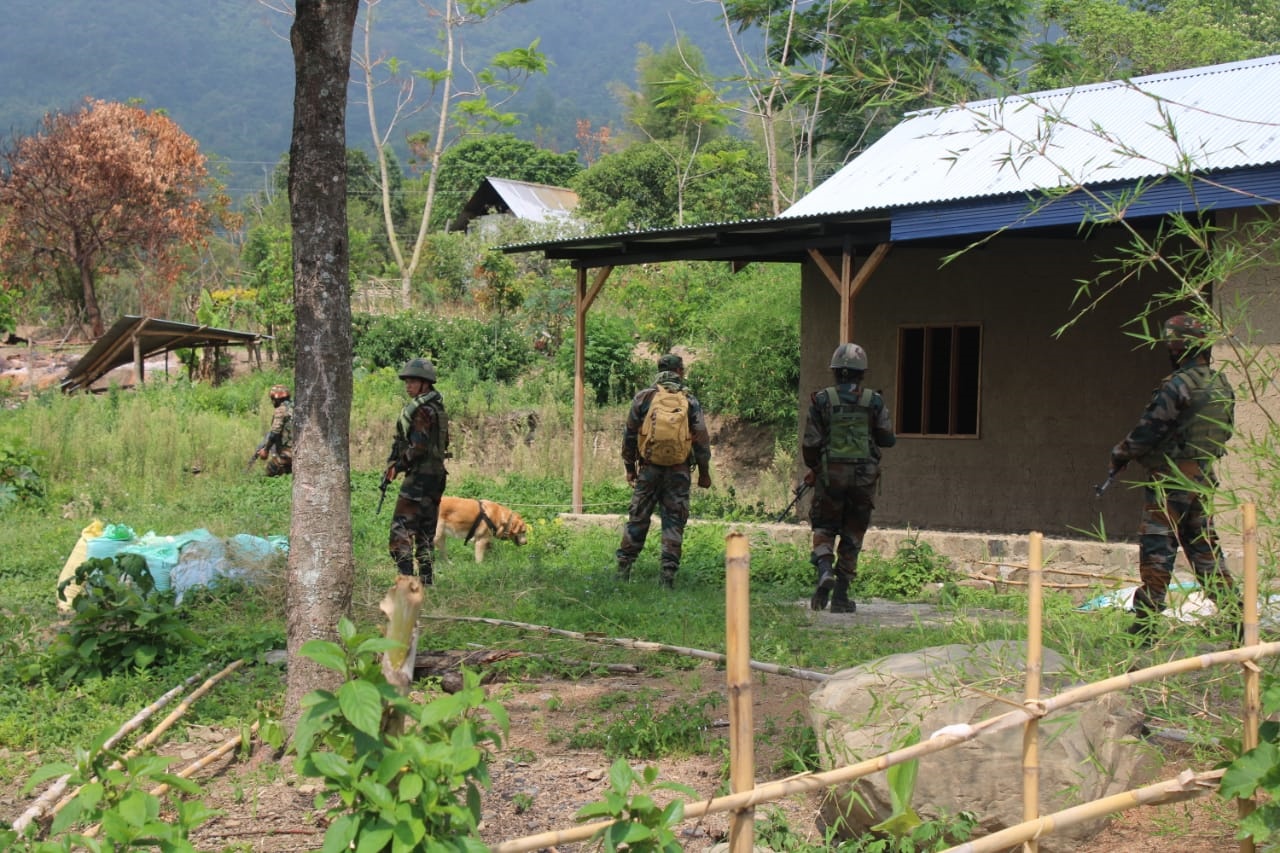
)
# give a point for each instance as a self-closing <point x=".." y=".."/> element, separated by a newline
<point x="404" y="565"/>
<point x="667" y="580"/>
<point x="624" y="570"/>
<point x="822" y="589"/>
<point x="840" y="601"/>
<point x="1145" y="615"/>
<point x="426" y="565"/>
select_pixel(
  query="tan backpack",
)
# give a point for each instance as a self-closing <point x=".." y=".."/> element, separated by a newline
<point x="664" y="433"/>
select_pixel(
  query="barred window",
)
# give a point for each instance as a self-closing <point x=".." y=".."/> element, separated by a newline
<point x="938" y="380"/>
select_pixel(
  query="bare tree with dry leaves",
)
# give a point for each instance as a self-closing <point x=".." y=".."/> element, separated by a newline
<point x="106" y="187"/>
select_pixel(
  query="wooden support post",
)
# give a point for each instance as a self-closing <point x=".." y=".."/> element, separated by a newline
<point x="1035" y="656"/>
<point x="138" y="367"/>
<point x="737" y="612"/>
<point x="1252" y="675"/>
<point x="579" y="387"/>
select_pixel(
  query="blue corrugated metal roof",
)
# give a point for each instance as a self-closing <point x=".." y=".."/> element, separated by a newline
<point x="1208" y="119"/>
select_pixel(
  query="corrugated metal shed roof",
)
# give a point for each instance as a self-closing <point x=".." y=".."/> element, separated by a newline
<point x="1214" y="118"/>
<point x="535" y="202"/>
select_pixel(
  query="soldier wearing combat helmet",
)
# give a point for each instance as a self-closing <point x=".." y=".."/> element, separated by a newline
<point x="277" y="447"/>
<point x="1177" y="439"/>
<point x="418" y="451"/>
<point x="847" y="425"/>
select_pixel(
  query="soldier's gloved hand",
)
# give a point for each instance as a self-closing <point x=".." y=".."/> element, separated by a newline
<point x="704" y="478"/>
<point x="810" y="477"/>
<point x="262" y="453"/>
<point x="631" y="475"/>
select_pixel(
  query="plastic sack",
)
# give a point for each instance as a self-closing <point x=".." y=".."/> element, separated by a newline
<point x="79" y="554"/>
<point x="241" y="558"/>
<point x="161" y="552"/>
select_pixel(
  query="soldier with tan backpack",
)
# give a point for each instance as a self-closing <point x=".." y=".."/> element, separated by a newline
<point x="665" y="436"/>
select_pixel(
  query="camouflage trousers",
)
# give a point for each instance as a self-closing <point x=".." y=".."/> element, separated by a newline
<point x="657" y="486"/>
<point x="413" y="527"/>
<point x="1171" y="518"/>
<point x="280" y="462"/>
<point x="840" y="512"/>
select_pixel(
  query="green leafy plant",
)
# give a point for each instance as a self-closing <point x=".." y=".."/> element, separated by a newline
<point x="113" y="793"/>
<point x="120" y="622"/>
<point x="642" y="732"/>
<point x="914" y="564"/>
<point x="639" y="824"/>
<point x="19" y="480"/>
<point x="1256" y="773"/>
<point x="389" y="791"/>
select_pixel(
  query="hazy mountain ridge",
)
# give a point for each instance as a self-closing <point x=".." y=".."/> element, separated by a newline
<point x="224" y="71"/>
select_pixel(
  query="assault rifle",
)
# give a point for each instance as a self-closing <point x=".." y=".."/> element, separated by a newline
<point x="386" y="481"/>
<point x="254" y="457"/>
<point x="799" y="493"/>
<point x="1100" y="489"/>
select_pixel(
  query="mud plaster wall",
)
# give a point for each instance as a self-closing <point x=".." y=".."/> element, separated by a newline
<point x="1051" y="408"/>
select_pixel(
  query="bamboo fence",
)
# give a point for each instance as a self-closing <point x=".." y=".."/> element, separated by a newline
<point x="1187" y="785"/>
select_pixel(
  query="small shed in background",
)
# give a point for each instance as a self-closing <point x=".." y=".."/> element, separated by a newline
<point x="500" y="197"/>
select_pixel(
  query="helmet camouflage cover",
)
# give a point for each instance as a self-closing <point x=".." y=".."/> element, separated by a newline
<point x="419" y="368"/>
<point x="849" y="357"/>
<point x="1183" y="327"/>
<point x="278" y="392"/>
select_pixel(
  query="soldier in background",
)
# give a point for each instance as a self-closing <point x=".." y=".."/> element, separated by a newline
<point x="419" y="451"/>
<point x="1179" y="436"/>
<point x="277" y="447"/>
<point x="846" y="427"/>
<point x="657" y="481"/>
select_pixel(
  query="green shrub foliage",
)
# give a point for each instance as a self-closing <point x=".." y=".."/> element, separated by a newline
<point x="497" y="348"/>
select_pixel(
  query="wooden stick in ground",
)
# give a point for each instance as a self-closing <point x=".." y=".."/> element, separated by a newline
<point x="1252" y="684"/>
<point x="1031" y="730"/>
<point x="642" y="645"/>
<point x="163" y="726"/>
<point x="1186" y="786"/>
<point x="737" y="616"/>
<point x="401" y="606"/>
<point x="56" y="790"/>
<point x="942" y="739"/>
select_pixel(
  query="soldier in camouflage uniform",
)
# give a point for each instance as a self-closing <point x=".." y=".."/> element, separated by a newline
<point x="277" y="447"/>
<point x="419" y="451"/>
<point x="846" y="427"/>
<point x="1179" y="436"/>
<point x="665" y="486"/>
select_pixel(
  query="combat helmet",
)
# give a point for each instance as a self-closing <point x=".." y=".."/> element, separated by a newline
<point x="419" y="368"/>
<point x="1183" y="333"/>
<point x="278" y="392"/>
<point x="849" y="357"/>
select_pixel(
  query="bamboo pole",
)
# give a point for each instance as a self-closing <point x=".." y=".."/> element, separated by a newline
<point x="56" y="790"/>
<point x="641" y="645"/>
<point x="1252" y="684"/>
<point x="1035" y="663"/>
<point x="163" y="726"/>
<point x="940" y="740"/>
<point x="1186" y="786"/>
<point x="737" y="615"/>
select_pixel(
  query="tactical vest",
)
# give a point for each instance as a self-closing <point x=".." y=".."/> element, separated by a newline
<point x="438" y="440"/>
<point x="850" y="434"/>
<point x="1204" y="427"/>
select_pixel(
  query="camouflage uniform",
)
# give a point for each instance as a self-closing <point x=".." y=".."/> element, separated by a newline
<point x="1174" y="441"/>
<point x="279" y="440"/>
<point x="419" y="452"/>
<point x="665" y="486"/>
<point x="844" y="491"/>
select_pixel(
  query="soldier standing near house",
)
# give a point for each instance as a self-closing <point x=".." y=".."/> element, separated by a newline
<point x="846" y="427"/>
<point x="277" y="447"/>
<point x="419" y="451"/>
<point x="665" y="435"/>
<point x="1177" y="439"/>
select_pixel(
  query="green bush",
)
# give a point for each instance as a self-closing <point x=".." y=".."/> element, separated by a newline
<point x="495" y="350"/>
<point x="611" y="371"/>
<point x="914" y="564"/>
<point x="120" y="622"/>
<point x="19" y="479"/>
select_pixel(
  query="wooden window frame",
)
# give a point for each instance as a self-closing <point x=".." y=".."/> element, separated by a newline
<point x="928" y="404"/>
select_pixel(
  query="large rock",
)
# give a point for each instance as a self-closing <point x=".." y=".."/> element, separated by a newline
<point x="1089" y="751"/>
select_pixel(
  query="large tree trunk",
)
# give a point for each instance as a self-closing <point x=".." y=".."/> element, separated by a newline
<point x="321" y="562"/>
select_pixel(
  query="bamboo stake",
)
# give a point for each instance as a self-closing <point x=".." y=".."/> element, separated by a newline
<point x="737" y="614"/>
<point x="56" y="790"/>
<point x="1186" y="786"/>
<point x="1057" y="571"/>
<point x="162" y="726"/>
<point x="1252" y="683"/>
<point x="401" y="605"/>
<point x="1031" y="732"/>
<point x="641" y="645"/>
<point x="940" y="740"/>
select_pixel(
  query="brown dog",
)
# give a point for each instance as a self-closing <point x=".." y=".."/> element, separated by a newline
<point x="482" y="521"/>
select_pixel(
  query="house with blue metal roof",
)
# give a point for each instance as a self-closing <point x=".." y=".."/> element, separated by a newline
<point x="974" y="251"/>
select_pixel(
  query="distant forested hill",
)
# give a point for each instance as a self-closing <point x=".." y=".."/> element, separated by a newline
<point x="223" y="69"/>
